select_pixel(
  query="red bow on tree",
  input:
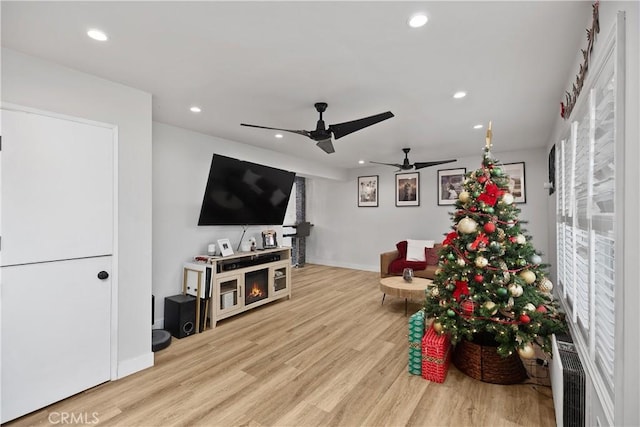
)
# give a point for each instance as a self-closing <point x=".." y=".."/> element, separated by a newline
<point x="481" y="241"/>
<point x="491" y="194"/>
<point x="461" y="289"/>
<point x="450" y="238"/>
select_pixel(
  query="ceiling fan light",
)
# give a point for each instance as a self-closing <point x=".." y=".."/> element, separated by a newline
<point x="460" y="94"/>
<point x="195" y="109"/>
<point x="418" y="20"/>
<point x="279" y="135"/>
<point x="478" y="126"/>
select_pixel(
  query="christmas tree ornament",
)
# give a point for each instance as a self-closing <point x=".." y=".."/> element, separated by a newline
<point x="529" y="307"/>
<point x="461" y="262"/>
<point x="536" y="259"/>
<point x="524" y="319"/>
<point x="541" y="309"/>
<point x="435" y="292"/>
<point x="496" y="172"/>
<point x="467" y="307"/>
<point x="501" y="235"/>
<point x="507" y="198"/>
<point x="481" y="262"/>
<point x="437" y="326"/>
<point x="464" y="196"/>
<point x="467" y="225"/>
<point x="478" y="278"/>
<point x="502" y="292"/>
<point x="443" y="303"/>
<point x="438" y="271"/>
<point x="515" y="290"/>
<point x="528" y="276"/>
<point x="521" y="262"/>
<point x="482" y="179"/>
<point x="489" y="227"/>
<point x="451" y="256"/>
<point x="546" y="286"/>
<point x="527" y="351"/>
<point x="470" y="247"/>
<point x="451" y="313"/>
<point x="510" y="303"/>
<point x="490" y="307"/>
<point x="520" y="239"/>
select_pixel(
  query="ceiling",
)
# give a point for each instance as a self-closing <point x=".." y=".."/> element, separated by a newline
<point x="267" y="63"/>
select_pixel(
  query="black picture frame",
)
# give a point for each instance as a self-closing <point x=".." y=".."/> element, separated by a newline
<point x="368" y="191"/>
<point x="450" y="185"/>
<point x="517" y="183"/>
<point x="408" y="189"/>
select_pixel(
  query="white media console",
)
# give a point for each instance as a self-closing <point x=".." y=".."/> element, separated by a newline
<point x="233" y="284"/>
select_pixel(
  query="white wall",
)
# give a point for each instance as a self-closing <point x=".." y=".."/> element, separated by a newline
<point x="39" y="84"/>
<point x="627" y="410"/>
<point x="181" y="162"/>
<point x="348" y="236"/>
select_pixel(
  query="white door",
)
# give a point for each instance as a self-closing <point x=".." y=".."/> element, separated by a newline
<point x="57" y="214"/>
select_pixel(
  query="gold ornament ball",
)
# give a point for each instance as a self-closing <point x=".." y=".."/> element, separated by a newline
<point x="467" y="225"/>
<point x="546" y="286"/>
<point x="527" y="352"/>
<point x="507" y="198"/>
<point x="520" y="239"/>
<point x="528" y="276"/>
<point x="435" y="292"/>
<point x="461" y="262"/>
<point x="437" y="326"/>
<point x="481" y="262"/>
<point x="464" y="196"/>
<point x="491" y="307"/>
<point x="529" y="307"/>
<point x="515" y="290"/>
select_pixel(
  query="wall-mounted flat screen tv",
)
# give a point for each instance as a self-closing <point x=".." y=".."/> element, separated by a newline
<point x="245" y="193"/>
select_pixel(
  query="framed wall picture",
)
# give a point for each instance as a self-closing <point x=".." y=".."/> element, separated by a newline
<point x="225" y="247"/>
<point x="368" y="191"/>
<point x="517" y="186"/>
<point x="552" y="170"/>
<point x="450" y="185"/>
<point x="408" y="189"/>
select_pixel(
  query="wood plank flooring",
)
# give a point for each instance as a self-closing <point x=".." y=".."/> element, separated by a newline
<point x="330" y="356"/>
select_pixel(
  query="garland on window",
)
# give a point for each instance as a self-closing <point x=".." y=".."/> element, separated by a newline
<point x="571" y="97"/>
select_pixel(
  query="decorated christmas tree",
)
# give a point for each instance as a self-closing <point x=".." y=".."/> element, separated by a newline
<point x="490" y="280"/>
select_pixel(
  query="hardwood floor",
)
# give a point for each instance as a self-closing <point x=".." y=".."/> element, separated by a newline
<point x="330" y="356"/>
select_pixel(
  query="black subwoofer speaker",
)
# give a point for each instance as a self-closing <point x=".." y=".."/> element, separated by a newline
<point x="180" y="315"/>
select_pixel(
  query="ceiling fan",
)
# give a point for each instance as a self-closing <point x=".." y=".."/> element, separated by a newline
<point x="405" y="165"/>
<point x="322" y="135"/>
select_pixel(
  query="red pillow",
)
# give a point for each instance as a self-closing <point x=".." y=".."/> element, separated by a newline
<point x="402" y="248"/>
<point x="398" y="265"/>
<point x="431" y="255"/>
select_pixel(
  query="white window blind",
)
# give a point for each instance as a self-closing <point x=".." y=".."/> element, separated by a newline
<point x="586" y="208"/>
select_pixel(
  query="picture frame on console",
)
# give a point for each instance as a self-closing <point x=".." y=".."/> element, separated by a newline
<point x="225" y="247"/>
<point x="408" y="189"/>
<point x="450" y="185"/>
<point x="368" y="191"/>
<point x="517" y="186"/>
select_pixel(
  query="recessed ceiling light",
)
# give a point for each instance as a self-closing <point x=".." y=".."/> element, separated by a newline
<point x="361" y="162"/>
<point x="418" y="20"/>
<point x="97" y="35"/>
<point x="195" y="109"/>
<point x="478" y="127"/>
<point x="279" y="135"/>
<point x="460" y="94"/>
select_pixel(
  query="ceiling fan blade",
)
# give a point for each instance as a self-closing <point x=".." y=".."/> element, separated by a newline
<point x="395" y="165"/>
<point x="420" y="165"/>
<point x="341" y="129"/>
<point x="299" y="132"/>
<point x="326" y="145"/>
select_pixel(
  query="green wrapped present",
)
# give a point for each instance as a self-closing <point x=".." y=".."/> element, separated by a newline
<point x="416" y="332"/>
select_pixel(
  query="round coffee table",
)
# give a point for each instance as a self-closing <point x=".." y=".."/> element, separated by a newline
<point x="396" y="286"/>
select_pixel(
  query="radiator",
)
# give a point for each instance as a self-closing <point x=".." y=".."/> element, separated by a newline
<point x="567" y="383"/>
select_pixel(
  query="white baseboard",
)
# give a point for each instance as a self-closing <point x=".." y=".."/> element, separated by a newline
<point x="334" y="263"/>
<point x="131" y="366"/>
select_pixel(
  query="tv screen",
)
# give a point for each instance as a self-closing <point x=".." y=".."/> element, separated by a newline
<point x="245" y="193"/>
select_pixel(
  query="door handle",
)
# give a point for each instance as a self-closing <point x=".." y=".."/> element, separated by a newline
<point x="103" y="275"/>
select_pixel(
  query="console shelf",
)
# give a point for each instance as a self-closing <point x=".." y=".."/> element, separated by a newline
<point x="234" y="284"/>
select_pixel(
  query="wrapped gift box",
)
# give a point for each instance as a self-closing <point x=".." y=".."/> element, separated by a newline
<point x="436" y="356"/>
<point x="416" y="331"/>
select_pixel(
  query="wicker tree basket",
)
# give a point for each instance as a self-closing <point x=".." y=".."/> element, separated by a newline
<point x="480" y="360"/>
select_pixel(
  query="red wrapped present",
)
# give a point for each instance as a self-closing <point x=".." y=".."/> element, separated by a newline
<point x="436" y="356"/>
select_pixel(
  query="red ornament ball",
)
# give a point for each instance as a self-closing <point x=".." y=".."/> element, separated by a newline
<point x="473" y="208"/>
<point x="541" y="309"/>
<point x="478" y="278"/>
<point x="467" y="307"/>
<point x="524" y="318"/>
<point x="482" y="179"/>
<point x="489" y="227"/>
<point x="512" y="239"/>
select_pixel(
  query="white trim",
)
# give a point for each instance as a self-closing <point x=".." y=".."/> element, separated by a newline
<point x="131" y="366"/>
